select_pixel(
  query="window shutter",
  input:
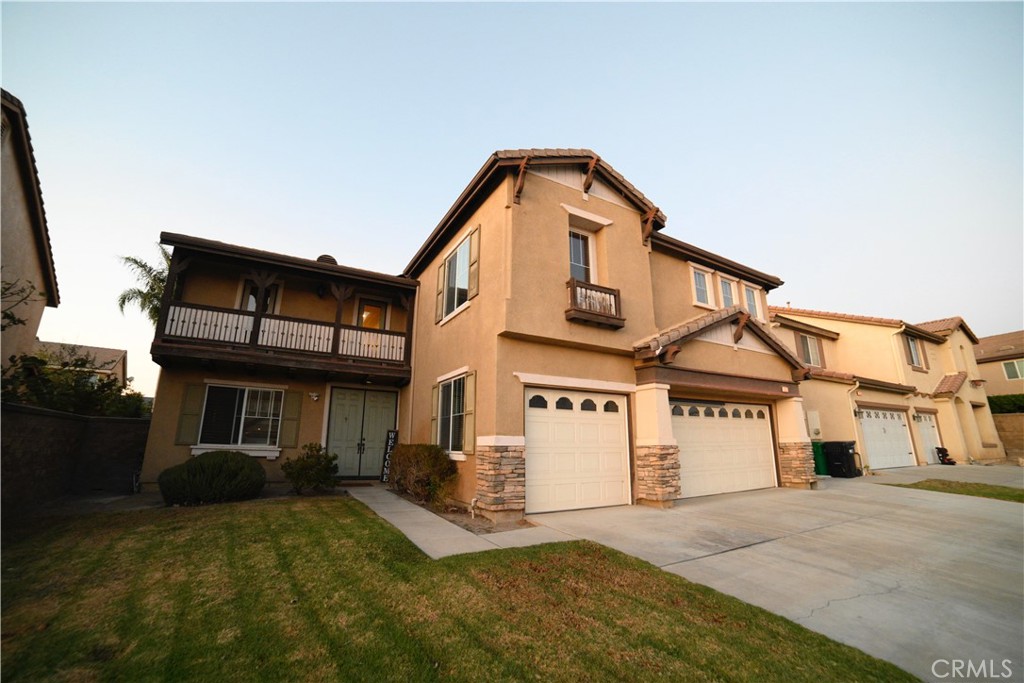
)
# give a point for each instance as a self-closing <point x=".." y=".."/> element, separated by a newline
<point x="821" y="352"/>
<point x="469" y="415"/>
<point x="474" y="264"/>
<point x="906" y="350"/>
<point x="435" y="398"/>
<point x="288" y="436"/>
<point x="191" y="415"/>
<point x="439" y="310"/>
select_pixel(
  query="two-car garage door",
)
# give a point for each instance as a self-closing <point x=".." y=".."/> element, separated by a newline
<point x="723" y="447"/>
<point x="577" y="447"/>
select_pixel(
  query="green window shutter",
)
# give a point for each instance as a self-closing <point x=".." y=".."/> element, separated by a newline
<point x="435" y="397"/>
<point x="439" y="310"/>
<point x="474" y="264"/>
<point x="191" y="415"/>
<point x="288" y="437"/>
<point x="469" y="419"/>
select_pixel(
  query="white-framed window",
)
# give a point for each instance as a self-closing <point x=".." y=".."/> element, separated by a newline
<point x="1013" y="369"/>
<point x="372" y="314"/>
<point x="728" y="292"/>
<point x="810" y="350"/>
<point x="702" y="292"/>
<point x="451" y="412"/>
<point x="580" y="258"/>
<point x="750" y="297"/>
<point x="244" y="416"/>
<point x="250" y="293"/>
<point x="458" y="277"/>
<point x="915" y="352"/>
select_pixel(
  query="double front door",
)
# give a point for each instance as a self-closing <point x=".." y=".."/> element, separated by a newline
<point x="357" y="430"/>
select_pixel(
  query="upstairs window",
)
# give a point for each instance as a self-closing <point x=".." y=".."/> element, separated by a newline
<point x="810" y="350"/>
<point x="750" y="295"/>
<point x="458" y="277"/>
<point x="728" y="298"/>
<point x="701" y="288"/>
<point x="914" y="350"/>
<point x="372" y="315"/>
<point x="1013" y="369"/>
<point x="579" y="256"/>
<point x="250" y="295"/>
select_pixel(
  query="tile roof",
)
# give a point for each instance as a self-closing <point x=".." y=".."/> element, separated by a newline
<point x="1000" y="347"/>
<point x="871" y="320"/>
<point x="831" y="374"/>
<point x="946" y="326"/>
<point x="950" y="384"/>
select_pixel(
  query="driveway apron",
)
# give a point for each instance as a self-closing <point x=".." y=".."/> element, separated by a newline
<point x="913" y="577"/>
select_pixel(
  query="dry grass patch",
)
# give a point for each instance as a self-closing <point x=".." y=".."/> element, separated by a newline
<point x="963" y="488"/>
<point x="321" y="589"/>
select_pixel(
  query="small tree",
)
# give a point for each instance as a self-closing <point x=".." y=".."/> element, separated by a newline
<point x="150" y="290"/>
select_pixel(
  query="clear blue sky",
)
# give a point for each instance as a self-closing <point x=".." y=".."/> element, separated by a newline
<point x="870" y="155"/>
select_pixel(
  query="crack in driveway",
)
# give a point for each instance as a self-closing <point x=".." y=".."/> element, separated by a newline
<point x="887" y="591"/>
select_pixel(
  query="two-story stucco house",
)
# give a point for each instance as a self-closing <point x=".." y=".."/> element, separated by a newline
<point x="263" y="353"/>
<point x="1000" y="361"/>
<point x="564" y="351"/>
<point x="569" y="355"/>
<point x="898" y="390"/>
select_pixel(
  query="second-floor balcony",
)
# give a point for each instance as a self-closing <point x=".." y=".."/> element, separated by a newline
<point x="190" y="322"/>
<point x="590" y="303"/>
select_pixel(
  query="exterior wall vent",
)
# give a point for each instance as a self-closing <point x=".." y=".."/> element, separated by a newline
<point x="327" y="258"/>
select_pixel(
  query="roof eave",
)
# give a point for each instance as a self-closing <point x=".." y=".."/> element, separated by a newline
<point x="689" y="252"/>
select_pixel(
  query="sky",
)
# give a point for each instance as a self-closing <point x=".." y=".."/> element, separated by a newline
<point x="870" y="155"/>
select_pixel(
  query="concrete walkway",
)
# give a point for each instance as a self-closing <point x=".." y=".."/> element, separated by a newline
<point x="438" y="537"/>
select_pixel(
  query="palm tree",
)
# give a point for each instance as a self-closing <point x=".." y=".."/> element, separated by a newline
<point x="151" y="279"/>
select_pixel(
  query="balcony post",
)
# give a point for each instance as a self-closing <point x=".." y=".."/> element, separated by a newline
<point x="341" y="294"/>
<point x="177" y="266"/>
<point x="263" y="280"/>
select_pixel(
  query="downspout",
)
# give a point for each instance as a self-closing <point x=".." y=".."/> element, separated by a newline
<point x="856" y="421"/>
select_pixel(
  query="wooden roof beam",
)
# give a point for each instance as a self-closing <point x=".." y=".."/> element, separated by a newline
<point x="589" y="179"/>
<point x="520" y="179"/>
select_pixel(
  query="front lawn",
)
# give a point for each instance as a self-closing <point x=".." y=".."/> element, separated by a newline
<point x="320" y="589"/>
<point x="963" y="488"/>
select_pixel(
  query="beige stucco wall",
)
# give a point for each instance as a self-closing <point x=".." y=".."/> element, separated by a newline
<point x="18" y="255"/>
<point x="162" y="452"/>
<point x="718" y="358"/>
<point x="996" y="383"/>
<point x="674" y="300"/>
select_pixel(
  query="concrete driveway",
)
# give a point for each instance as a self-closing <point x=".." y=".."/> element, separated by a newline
<point x="914" y="577"/>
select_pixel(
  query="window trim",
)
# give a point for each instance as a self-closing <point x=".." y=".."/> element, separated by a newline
<point x="709" y="287"/>
<point x="468" y="413"/>
<point x="914" y="346"/>
<point x="471" y="241"/>
<point x="748" y="287"/>
<point x="243" y="294"/>
<point x="589" y="240"/>
<point x="812" y="342"/>
<point x="358" y="309"/>
<point x="724" y="282"/>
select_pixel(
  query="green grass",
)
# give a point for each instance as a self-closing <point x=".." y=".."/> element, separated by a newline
<point x="321" y="589"/>
<point x="966" y="489"/>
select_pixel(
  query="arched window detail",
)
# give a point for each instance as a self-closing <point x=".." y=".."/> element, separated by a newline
<point x="760" y="415"/>
<point x="611" y="407"/>
<point x="588" y="405"/>
<point x="538" y="401"/>
<point x="736" y="412"/>
<point x="749" y="414"/>
<point x="693" y="411"/>
<point x="677" y="410"/>
<point x="709" y="412"/>
<point x="722" y="412"/>
<point x="563" y="404"/>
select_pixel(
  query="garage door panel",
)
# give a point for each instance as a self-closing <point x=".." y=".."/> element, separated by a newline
<point x="578" y="457"/>
<point x="723" y="448"/>
<point x="886" y="439"/>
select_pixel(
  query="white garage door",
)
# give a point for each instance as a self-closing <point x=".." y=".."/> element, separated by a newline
<point x="577" y="453"/>
<point x="886" y="439"/>
<point x="723" y="447"/>
<point x="929" y="431"/>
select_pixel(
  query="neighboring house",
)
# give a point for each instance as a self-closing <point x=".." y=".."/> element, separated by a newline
<point x="1000" y="361"/>
<point x="106" y="362"/>
<point x="569" y="355"/>
<point x="896" y="389"/>
<point x="26" y="260"/>
<point x="263" y="353"/>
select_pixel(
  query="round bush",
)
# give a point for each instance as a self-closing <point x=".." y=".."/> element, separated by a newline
<point x="214" y="477"/>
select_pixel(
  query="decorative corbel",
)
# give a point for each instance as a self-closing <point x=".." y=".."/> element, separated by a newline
<point x="670" y="352"/>
<point x="520" y="179"/>
<point x="743" y="320"/>
<point x="801" y="374"/>
<point x="648" y="224"/>
<point x="341" y="292"/>
<point x="589" y="179"/>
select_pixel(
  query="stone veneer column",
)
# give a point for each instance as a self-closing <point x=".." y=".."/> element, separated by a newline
<point x="501" y="480"/>
<point x="657" y="475"/>
<point x="796" y="455"/>
<point x="796" y="465"/>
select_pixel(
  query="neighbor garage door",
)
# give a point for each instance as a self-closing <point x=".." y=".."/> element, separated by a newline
<point x="886" y="439"/>
<point x="723" y="447"/>
<point x="577" y="453"/>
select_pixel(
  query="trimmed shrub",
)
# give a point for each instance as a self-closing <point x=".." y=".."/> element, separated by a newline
<point x="314" y="468"/>
<point x="214" y="477"/>
<point x="1007" y="403"/>
<point x="424" y="471"/>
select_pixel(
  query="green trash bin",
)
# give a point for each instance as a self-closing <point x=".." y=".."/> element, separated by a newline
<point x="820" y="463"/>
